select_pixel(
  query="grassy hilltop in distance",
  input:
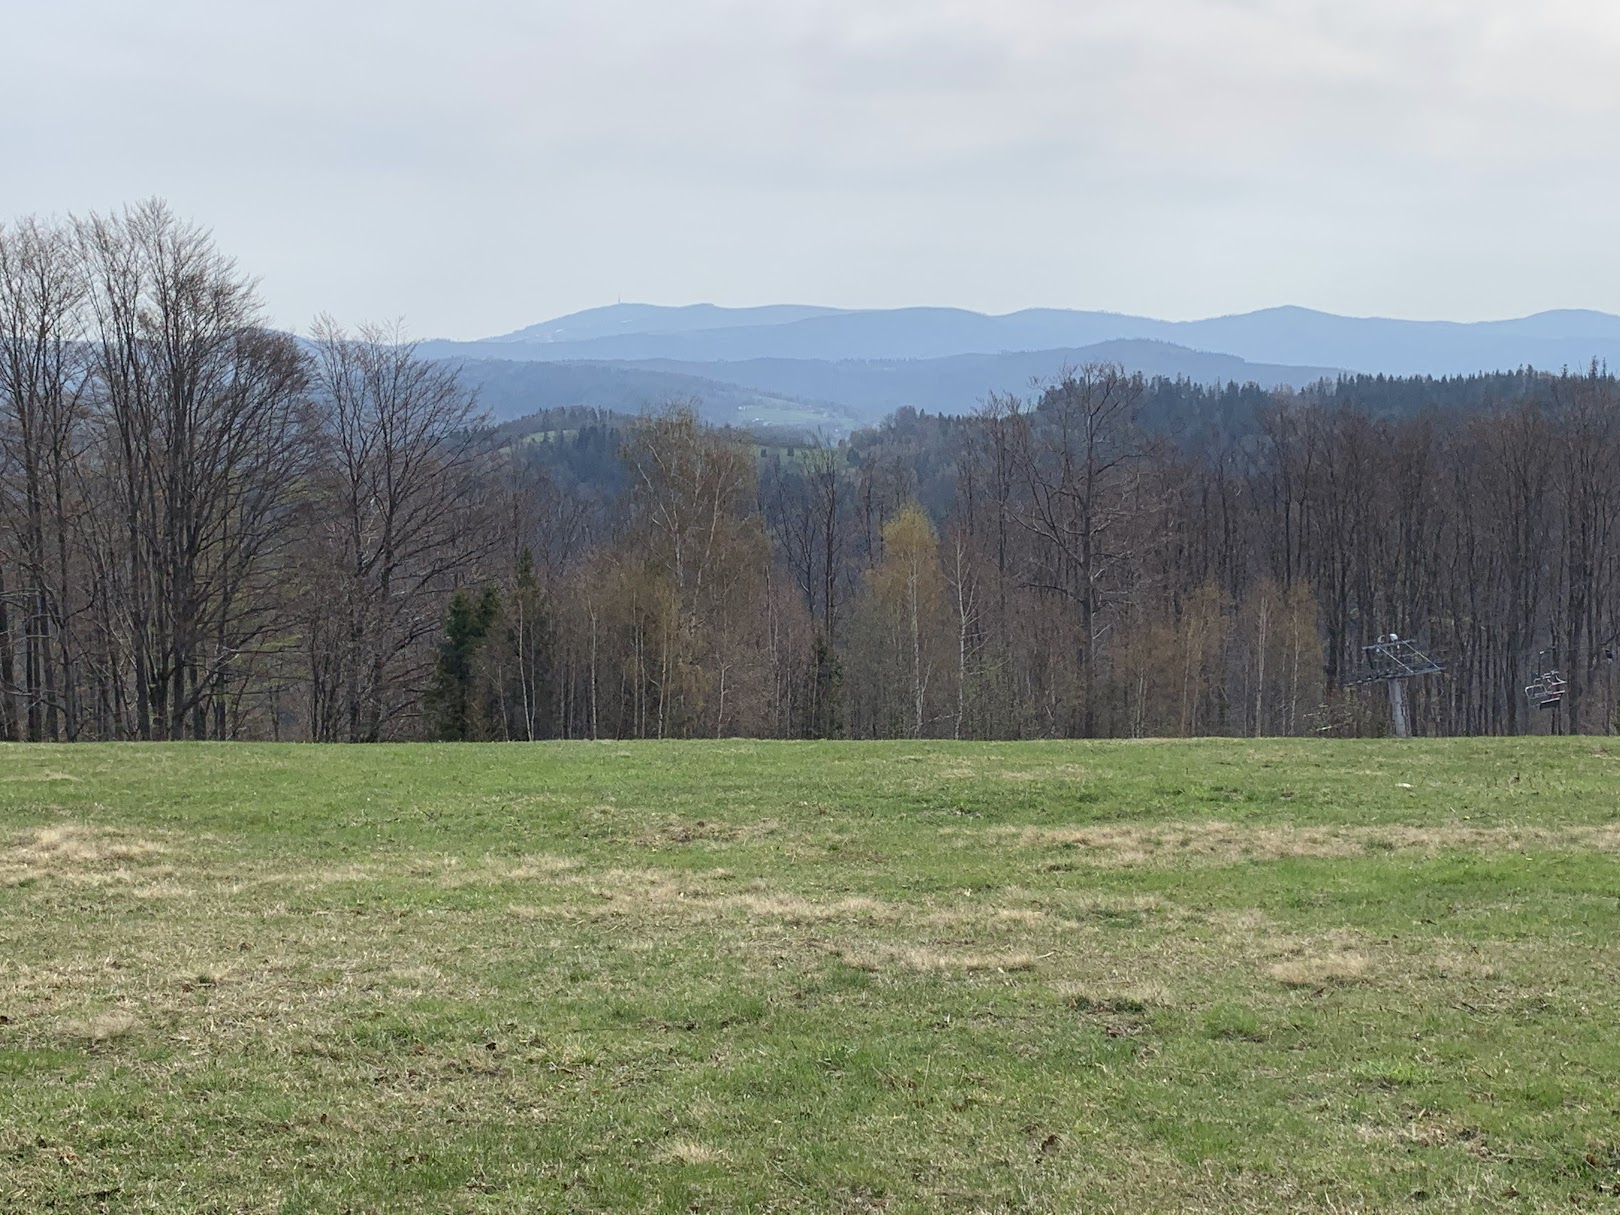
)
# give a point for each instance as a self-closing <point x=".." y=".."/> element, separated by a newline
<point x="837" y="368"/>
<point x="904" y="977"/>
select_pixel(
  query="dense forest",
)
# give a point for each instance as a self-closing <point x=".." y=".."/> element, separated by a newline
<point x="209" y="529"/>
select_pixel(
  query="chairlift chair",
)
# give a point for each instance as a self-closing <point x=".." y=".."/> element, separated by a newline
<point x="1546" y="691"/>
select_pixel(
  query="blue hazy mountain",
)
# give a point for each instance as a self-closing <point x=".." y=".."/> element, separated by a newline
<point x="872" y="388"/>
<point x="833" y="369"/>
<point x="618" y="320"/>
<point x="1550" y="341"/>
<point x="832" y="395"/>
<point x="1275" y="336"/>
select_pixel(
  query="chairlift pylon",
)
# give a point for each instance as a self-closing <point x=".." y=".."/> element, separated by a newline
<point x="1392" y="660"/>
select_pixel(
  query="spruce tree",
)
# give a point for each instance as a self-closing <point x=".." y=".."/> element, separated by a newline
<point x="451" y="700"/>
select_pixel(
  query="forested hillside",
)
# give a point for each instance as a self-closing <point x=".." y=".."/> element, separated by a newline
<point x="835" y="397"/>
<point x="212" y="530"/>
<point x="509" y="390"/>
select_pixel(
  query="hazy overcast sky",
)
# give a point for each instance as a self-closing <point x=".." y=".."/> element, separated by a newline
<point x="477" y="166"/>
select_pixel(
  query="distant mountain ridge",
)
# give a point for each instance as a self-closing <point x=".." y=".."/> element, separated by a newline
<point x="1286" y="336"/>
<point x="837" y="368"/>
<point x="616" y="320"/>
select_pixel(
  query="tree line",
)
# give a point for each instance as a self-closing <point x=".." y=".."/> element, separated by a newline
<point x="210" y="529"/>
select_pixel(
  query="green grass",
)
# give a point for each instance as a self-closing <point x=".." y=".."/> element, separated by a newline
<point x="771" y="977"/>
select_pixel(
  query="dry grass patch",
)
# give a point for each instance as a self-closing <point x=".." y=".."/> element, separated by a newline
<point x="535" y="914"/>
<point x="690" y="1152"/>
<point x="682" y="832"/>
<point x="1002" y="921"/>
<point x="541" y="865"/>
<point x="1457" y="964"/>
<point x="1134" y="998"/>
<point x="249" y="882"/>
<point x="82" y="855"/>
<point x="926" y="960"/>
<point x="1105" y="905"/>
<point x="1220" y="842"/>
<point x="103" y="1027"/>
<point x="451" y="874"/>
<point x="701" y="898"/>
<point x="73" y="845"/>
<point x="1126" y="845"/>
<point x="1602" y="838"/>
<point x="1321" y="970"/>
<point x="444" y="871"/>
<point x="1026" y="917"/>
<point x="646" y="890"/>
<point x="796" y="910"/>
<point x="1249" y="922"/>
<point x="1069" y="772"/>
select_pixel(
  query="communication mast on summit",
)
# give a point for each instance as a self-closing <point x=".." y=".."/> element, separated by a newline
<point x="1393" y="660"/>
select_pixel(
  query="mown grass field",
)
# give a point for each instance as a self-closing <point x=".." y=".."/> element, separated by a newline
<point x="1230" y="976"/>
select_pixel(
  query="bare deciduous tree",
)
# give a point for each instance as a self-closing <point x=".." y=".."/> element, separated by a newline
<point x="397" y="514"/>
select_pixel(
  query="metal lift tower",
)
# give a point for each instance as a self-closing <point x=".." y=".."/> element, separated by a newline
<point x="1394" y="660"/>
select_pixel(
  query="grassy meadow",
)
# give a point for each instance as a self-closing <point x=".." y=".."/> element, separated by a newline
<point x="803" y="977"/>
